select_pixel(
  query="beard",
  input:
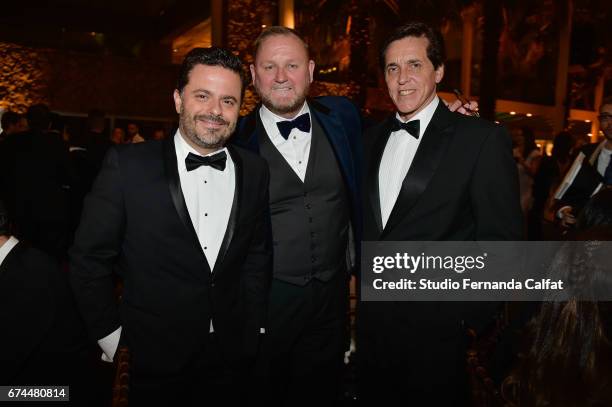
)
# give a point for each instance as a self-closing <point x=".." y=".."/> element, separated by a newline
<point x="206" y="138"/>
<point x="290" y="106"/>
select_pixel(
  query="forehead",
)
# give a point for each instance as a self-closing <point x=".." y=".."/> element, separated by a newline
<point x="607" y="108"/>
<point x="215" y="79"/>
<point x="281" y="45"/>
<point x="407" y="48"/>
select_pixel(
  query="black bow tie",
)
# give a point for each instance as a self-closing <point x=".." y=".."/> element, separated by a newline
<point x="301" y="123"/>
<point x="412" y="127"/>
<point x="217" y="161"/>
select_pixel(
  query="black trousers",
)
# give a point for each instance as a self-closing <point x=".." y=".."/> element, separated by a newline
<point x="208" y="380"/>
<point x="301" y="362"/>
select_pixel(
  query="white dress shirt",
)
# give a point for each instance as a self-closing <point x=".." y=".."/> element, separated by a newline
<point x="6" y="248"/>
<point x="209" y="195"/>
<point x="296" y="149"/>
<point x="397" y="158"/>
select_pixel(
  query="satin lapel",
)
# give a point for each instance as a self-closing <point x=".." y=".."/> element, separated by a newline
<point x="334" y="130"/>
<point x="426" y="161"/>
<point x="174" y="184"/>
<point x="374" y="164"/>
<point x="231" y="223"/>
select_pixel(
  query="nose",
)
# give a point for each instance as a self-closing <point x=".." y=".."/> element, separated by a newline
<point x="280" y="75"/>
<point x="404" y="76"/>
<point x="215" y="107"/>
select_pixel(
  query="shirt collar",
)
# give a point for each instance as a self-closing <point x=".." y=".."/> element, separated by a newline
<point x="6" y="248"/>
<point x="424" y="116"/>
<point x="183" y="149"/>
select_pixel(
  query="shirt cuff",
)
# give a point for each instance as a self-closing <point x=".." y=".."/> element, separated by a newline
<point x="560" y="211"/>
<point x="109" y="345"/>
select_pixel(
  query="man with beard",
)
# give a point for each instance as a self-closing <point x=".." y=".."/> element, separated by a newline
<point x="184" y="222"/>
<point x="599" y="157"/>
<point x="313" y="150"/>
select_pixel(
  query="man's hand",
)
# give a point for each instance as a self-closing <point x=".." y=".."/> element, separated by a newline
<point x="469" y="109"/>
<point x="567" y="217"/>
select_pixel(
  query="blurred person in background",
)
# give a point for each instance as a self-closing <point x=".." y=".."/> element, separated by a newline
<point x="546" y="180"/>
<point x="11" y="123"/>
<point x="35" y="177"/>
<point x="117" y="136"/>
<point x="565" y="361"/>
<point x="597" y="155"/>
<point x="133" y="134"/>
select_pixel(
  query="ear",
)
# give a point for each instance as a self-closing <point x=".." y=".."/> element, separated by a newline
<point x="311" y="67"/>
<point x="177" y="101"/>
<point x="439" y="73"/>
<point x="252" y="69"/>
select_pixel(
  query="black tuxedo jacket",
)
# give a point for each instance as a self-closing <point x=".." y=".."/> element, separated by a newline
<point x="43" y="338"/>
<point x="462" y="185"/>
<point x="34" y="177"/>
<point x="136" y="218"/>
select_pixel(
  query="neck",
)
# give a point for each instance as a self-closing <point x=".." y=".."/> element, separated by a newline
<point x="286" y="115"/>
<point x="407" y="116"/>
<point x="3" y="240"/>
<point x="608" y="144"/>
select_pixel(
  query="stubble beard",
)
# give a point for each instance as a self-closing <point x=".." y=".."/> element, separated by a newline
<point x="291" y="107"/>
<point x="211" y="138"/>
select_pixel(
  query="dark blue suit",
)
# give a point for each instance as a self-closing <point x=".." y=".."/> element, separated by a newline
<point x="301" y="361"/>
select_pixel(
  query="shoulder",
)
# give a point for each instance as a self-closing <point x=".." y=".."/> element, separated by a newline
<point x="32" y="260"/>
<point x="477" y="130"/>
<point x="337" y="104"/>
<point x="250" y="160"/>
<point x="136" y="158"/>
<point x="589" y="148"/>
<point x="245" y="127"/>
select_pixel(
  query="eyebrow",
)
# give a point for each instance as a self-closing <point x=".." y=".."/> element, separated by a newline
<point x="224" y="97"/>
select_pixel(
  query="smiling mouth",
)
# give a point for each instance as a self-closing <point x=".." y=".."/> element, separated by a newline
<point x="407" y="92"/>
<point x="212" y="123"/>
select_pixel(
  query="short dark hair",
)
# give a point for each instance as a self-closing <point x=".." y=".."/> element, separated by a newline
<point x="435" y="49"/>
<point x="213" y="56"/>
<point x="39" y="116"/>
<point x="9" y="118"/>
<point x="274" y="31"/>
<point x="606" y="101"/>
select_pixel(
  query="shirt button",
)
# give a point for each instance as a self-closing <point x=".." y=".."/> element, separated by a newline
<point x="205" y="214"/>
<point x="308" y="206"/>
<point x="299" y="162"/>
<point x="294" y="137"/>
<point x="206" y="182"/>
<point x="205" y="247"/>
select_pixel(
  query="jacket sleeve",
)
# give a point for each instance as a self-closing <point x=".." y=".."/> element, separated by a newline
<point x="258" y="263"/>
<point x="495" y="190"/>
<point x="97" y="244"/>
